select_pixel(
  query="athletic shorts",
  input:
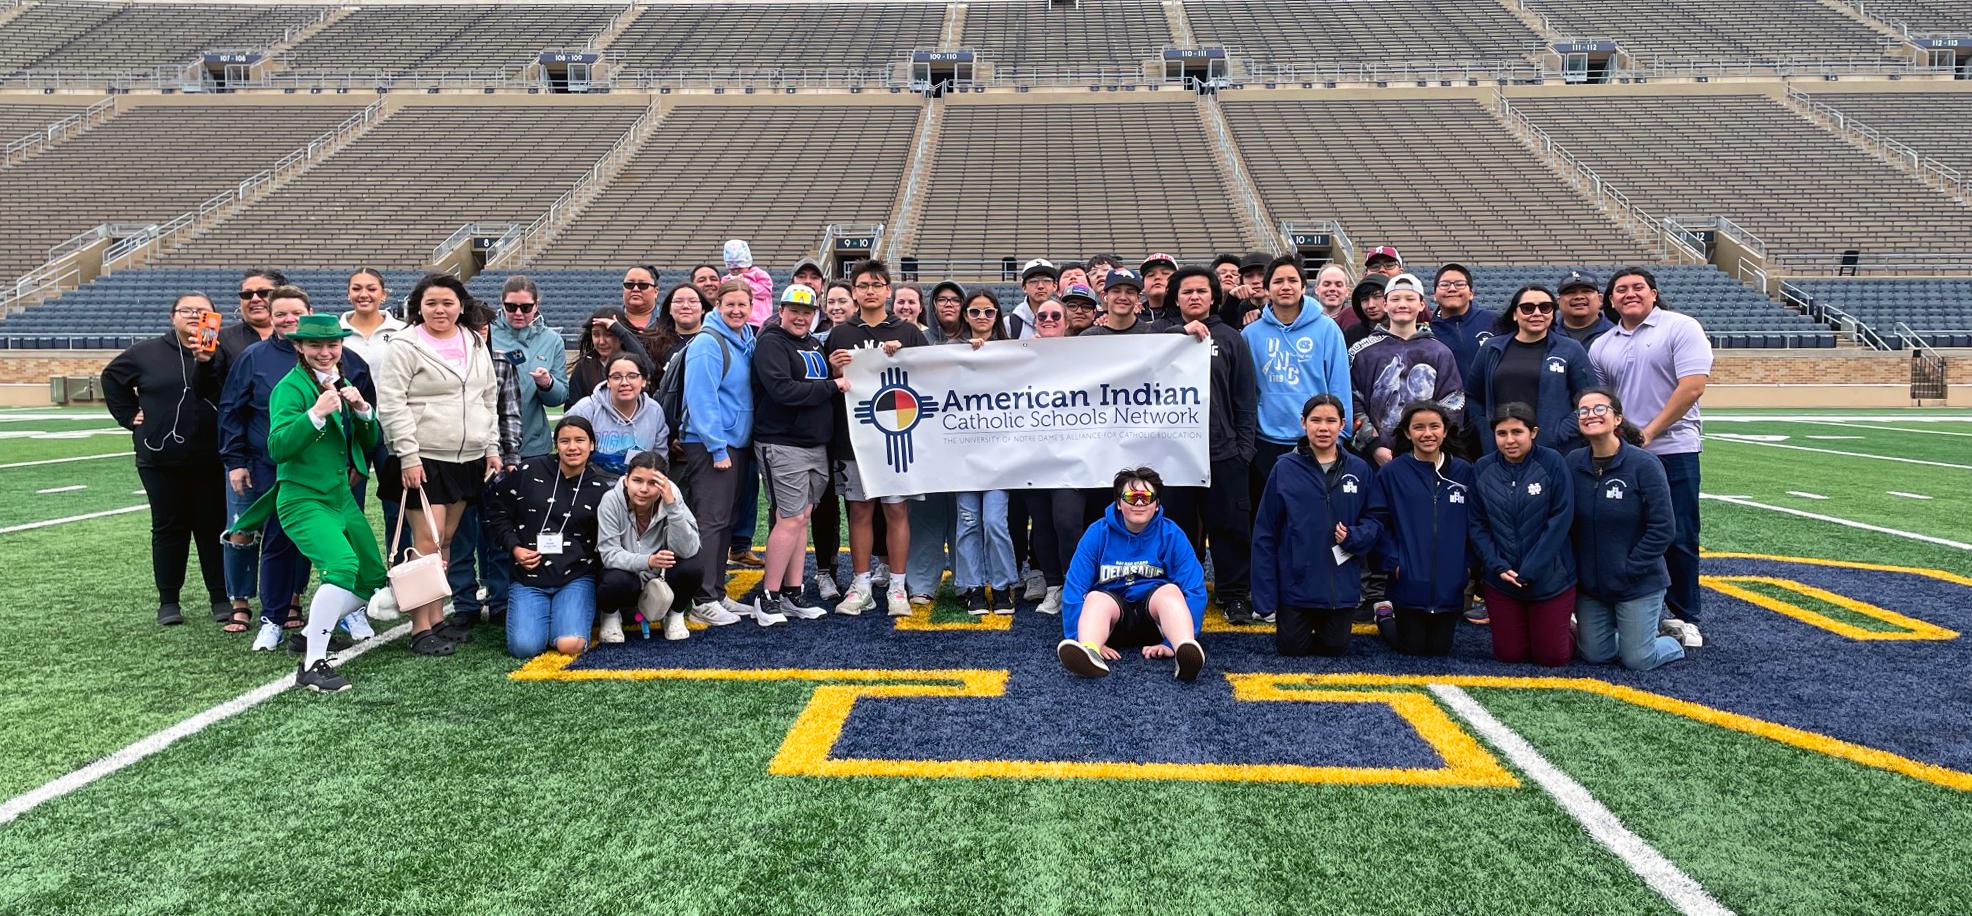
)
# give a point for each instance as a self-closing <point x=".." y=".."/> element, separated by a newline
<point x="849" y="484"/>
<point x="796" y="476"/>
<point x="1135" y="628"/>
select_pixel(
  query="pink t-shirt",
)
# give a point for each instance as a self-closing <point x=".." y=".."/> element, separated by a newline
<point x="452" y="349"/>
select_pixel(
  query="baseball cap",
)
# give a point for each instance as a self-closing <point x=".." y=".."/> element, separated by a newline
<point x="1383" y="251"/>
<point x="798" y="296"/>
<point x="1079" y="291"/>
<point x="1404" y="281"/>
<point x="1255" y="260"/>
<point x="1122" y="276"/>
<point x="806" y="263"/>
<point x="1575" y="279"/>
<point x="1039" y="267"/>
<point x="1371" y="285"/>
<point x="1155" y="259"/>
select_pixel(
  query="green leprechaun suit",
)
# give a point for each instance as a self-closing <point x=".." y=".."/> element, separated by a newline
<point x="311" y="494"/>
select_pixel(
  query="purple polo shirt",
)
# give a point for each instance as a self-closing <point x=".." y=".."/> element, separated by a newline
<point x="1643" y="367"/>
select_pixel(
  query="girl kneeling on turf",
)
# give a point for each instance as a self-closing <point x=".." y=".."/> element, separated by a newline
<point x="1623" y="526"/>
<point x="320" y="434"/>
<point x="1422" y="501"/>
<point x="1135" y="581"/>
<point x="1520" y="528"/>
<point x="646" y="532"/>
<point x="1310" y="530"/>
<point x="543" y="515"/>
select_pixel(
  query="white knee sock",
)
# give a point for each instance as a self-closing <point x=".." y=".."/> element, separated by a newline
<point x="330" y="604"/>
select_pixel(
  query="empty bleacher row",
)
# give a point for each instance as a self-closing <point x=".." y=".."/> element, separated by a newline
<point x="1938" y="310"/>
<point x="146" y="165"/>
<point x="1933" y="16"/>
<point x="1804" y="191"/>
<point x="407" y="184"/>
<point x="774" y="175"/>
<point x="441" y="39"/>
<point x="1345" y="33"/>
<point x="1933" y="123"/>
<point x="1438" y="178"/>
<point x="725" y="37"/>
<point x="1036" y="34"/>
<point x="1012" y="179"/>
<point x="138" y="36"/>
<point x="1737" y="30"/>
<point x="17" y="121"/>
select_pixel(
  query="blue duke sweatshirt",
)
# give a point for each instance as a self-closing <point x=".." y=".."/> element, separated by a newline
<point x="719" y="389"/>
<point x="1295" y="362"/>
<point x="1425" y="512"/>
<point x="1294" y="533"/>
<point x="1111" y="559"/>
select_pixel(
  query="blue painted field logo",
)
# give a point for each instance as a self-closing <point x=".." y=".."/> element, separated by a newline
<point x="895" y="410"/>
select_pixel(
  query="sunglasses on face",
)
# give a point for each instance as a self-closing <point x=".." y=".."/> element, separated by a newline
<point x="638" y="284"/>
<point x="1049" y="316"/>
<point x="1529" y="308"/>
<point x="981" y="313"/>
<point x="519" y="308"/>
<point x="247" y="294"/>
<point x="1140" y="498"/>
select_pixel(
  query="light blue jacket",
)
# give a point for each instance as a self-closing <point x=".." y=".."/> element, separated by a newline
<point x="536" y="346"/>
<point x="1294" y="363"/>
<point x="719" y="389"/>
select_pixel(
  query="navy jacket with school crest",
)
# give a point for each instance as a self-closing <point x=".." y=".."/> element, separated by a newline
<point x="1623" y="524"/>
<point x="1425" y="512"/>
<point x="1294" y="533"/>
<point x="1521" y="522"/>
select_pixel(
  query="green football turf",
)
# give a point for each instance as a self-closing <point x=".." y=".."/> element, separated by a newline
<point x="441" y="786"/>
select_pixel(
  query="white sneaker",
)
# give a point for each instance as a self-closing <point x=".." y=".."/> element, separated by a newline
<point x="358" y="625"/>
<point x="879" y="574"/>
<point x="611" y="630"/>
<point x="674" y="627"/>
<point x="269" y="637"/>
<point x="713" y="613"/>
<point x="383" y="606"/>
<point x="1692" y="638"/>
<point x="899" y="603"/>
<point x="794" y="608"/>
<point x="825" y="587"/>
<point x="1672" y="627"/>
<point x="1051" y="603"/>
<point x="856" y="601"/>
<point x="740" y="608"/>
<point x="766" y="611"/>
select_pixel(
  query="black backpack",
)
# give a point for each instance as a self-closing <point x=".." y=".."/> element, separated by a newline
<point x="671" y="385"/>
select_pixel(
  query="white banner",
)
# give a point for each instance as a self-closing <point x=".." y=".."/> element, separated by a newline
<point x="1027" y="414"/>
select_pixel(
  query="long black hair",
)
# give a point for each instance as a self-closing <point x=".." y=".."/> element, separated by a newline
<point x="1626" y="431"/>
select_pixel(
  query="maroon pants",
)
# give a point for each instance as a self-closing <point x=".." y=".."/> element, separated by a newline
<point x="1536" y="630"/>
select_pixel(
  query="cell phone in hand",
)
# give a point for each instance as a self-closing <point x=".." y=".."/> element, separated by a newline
<point x="209" y="331"/>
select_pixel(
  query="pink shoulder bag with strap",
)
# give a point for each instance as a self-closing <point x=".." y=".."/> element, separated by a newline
<point x="419" y="580"/>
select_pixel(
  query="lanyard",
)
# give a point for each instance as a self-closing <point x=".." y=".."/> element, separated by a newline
<point x="555" y="488"/>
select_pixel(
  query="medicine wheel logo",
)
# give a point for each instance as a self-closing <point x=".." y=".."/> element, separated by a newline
<point x="895" y="410"/>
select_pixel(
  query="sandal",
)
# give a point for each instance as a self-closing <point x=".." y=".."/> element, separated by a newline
<point x="236" y="621"/>
<point x="425" y="642"/>
<point x="454" y="631"/>
<point x="294" y="621"/>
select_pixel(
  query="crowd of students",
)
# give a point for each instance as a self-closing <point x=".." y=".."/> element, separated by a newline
<point x="1380" y="451"/>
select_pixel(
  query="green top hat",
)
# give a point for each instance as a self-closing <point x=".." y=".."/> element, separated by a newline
<point x="319" y="327"/>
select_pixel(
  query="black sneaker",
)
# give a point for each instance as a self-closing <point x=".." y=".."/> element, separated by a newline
<point x="1190" y="658"/>
<point x="458" y="627"/>
<point x="1239" y="611"/>
<point x="298" y="643"/>
<point x="975" y="602"/>
<point x="222" y="612"/>
<point x="168" y="615"/>
<point x="320" y="678"/>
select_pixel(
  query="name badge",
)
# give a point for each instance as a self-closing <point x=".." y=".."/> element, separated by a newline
<point x="548" y="543"/>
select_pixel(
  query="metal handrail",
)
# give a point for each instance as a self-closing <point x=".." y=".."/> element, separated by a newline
<point x="1339" y="239"/>
<point x="1747" y="240"/>
<point x="1915" y="340"/>
<point x="589" y="44"/>
<point x="1927" y="169"/>
<point x="457" y="238"/>
<point x="34" y="286"/>
<point x="920" y="159"/>
<point x="534" y="237"/>
<point x="58" y="131"/>
<point x="1832" y="315"/>
<point x="1247" y="195"/>
<point x="288" y="34"/>
<point x="1674" y="241"/>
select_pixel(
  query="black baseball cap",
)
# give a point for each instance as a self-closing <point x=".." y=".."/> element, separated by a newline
<point x="1577" y="279"/>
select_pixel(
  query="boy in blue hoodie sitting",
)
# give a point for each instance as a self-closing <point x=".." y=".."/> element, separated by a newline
<point x="1135" y="582"/>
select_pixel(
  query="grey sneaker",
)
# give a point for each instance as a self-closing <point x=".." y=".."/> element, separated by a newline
<point x="1080" y="659"/>
<point x="1035" y="587"/>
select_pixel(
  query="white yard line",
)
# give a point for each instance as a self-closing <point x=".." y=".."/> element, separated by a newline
<point x="151" y="744"/>
<point x="1890" y="429"/>
<point x="1835" y="438"/>
<point x="36" y="464"/>
<point x="1830" y="451"/>
<point x="1928" y="539"/>
<point x="1805" y="495"/>
<point x="1834" y="418"/>
<point x="68" y="489"/>
<point x="1907" y="495"/>
<point x="30" y="526"/>
<point x="1660" y="873"/>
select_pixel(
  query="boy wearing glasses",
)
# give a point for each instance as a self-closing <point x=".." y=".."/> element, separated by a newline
<point x="537" y="354"/>
<point x="1134" y="582"/>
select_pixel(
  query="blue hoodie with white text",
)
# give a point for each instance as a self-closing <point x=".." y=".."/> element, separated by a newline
<point x="1111" y="559"/>
<point x="1295" y="362"/>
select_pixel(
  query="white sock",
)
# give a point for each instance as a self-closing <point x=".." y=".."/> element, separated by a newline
<point x="862" y="583"/>
<point x="897" y="583"/>
<point x="331" y="602"/>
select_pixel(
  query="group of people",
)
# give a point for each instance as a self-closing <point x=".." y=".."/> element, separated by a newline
<point x="1375" y="454"/>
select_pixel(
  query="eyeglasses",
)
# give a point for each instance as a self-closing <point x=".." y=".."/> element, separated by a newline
<point x="947" y="300"/>
<point x="1079" y="304"/>
<point x="1140" y="498"/>
<point x="187" y="313"/>
<point x="246" y="294"/>
<point x="518" y="307"/>
<point x="1049" y="316"/>
<point x="627" y="377"/>
<point x="1593" y="410"/>
<point x="981" y="313"/>
<point x="873" y="285"/>
<point x="1453" y="284"/>
<point x="638" y="284"/>
<point x="1529" y="308"/>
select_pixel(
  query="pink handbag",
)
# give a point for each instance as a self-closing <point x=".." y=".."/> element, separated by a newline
<point x="419" y="580"/>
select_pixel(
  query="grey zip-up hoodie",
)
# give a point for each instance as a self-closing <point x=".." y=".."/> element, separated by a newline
<point x="672" y="527"/>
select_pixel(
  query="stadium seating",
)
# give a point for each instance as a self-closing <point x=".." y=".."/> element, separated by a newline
<point x="17" y="121"/>
<point x="723" y="37"/>
<point x="1943" y="16"/>
<point x="773" y="175"/>
<point x="42" y="28"/>
<point x="1804" y="191"/>
<point x="1031" y="34"/>
<point x="1346" y="33"/>
<point x="1438" y="178"/>
<point x="1940" y="310"/>
<point x="146" y="165"/>
<point x="139" y="36"/>
<point x="1932" y="123"/>
<point x="412" y="180"/>
<point x="1028" y="180"/>
<point x="437" y="39"/>
<point x="120" y="309"/>
<point x="1735" y="30"/>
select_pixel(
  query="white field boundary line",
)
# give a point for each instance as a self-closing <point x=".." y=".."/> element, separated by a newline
<point x="1890" y="429"/>
<point x="1830" y="451"/>
<point x="158" y="741"/>
<point x="46" y="461"/>
<point x="1864" y="526"/>
<point x="1833" y="418"/>
<point x="1660" y="873"/>
<point x="30" y="526"/>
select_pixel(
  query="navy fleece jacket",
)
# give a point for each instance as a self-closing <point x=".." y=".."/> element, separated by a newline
<point x="1294" y="533"/>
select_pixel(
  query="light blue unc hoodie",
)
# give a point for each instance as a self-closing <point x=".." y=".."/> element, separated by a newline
<point x="1295" y="362"/>
<point x="719" y="389"/>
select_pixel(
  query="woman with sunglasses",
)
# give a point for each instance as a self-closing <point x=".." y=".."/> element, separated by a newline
<point x="1135" y="581"/>
<point x="370" y="325"/>
<point x="1309" y="537"/>
<point x="604" y="338"/>
<point x="640" y="308"/>
<point x="1624" y="524"/>
<point x="1422" y="501"/>
<point x="256" y="313"/>
<point x="1520" y="527"/>
<point x="521" y="338"/>
<point x="1525" y="362"/>
<point x="982" y="553"/>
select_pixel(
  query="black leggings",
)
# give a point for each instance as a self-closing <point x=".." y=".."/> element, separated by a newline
<point x="1415" y="632"/>
<point x="188" y="506"/>
<point x="1058" y="516"/>
<point x="1300" y="631"/>
<point x="617" y="590"/>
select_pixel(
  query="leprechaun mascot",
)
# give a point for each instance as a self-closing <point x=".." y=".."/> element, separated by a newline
<point x="320" y="434"/>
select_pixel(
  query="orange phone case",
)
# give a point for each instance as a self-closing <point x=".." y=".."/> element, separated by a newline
<point x="209" y="331"/>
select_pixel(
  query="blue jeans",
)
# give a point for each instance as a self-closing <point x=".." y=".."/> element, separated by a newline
<point x="536" y="617"/>
<point x="1604" y="630"/>
<point x="1682" y="558"/>
<point x="242" y="561"/>
<point x="271" y="564"/>
<point x="983" y="554"/>
<point x="495" y="569"/>
<point x="931" y="531"/>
